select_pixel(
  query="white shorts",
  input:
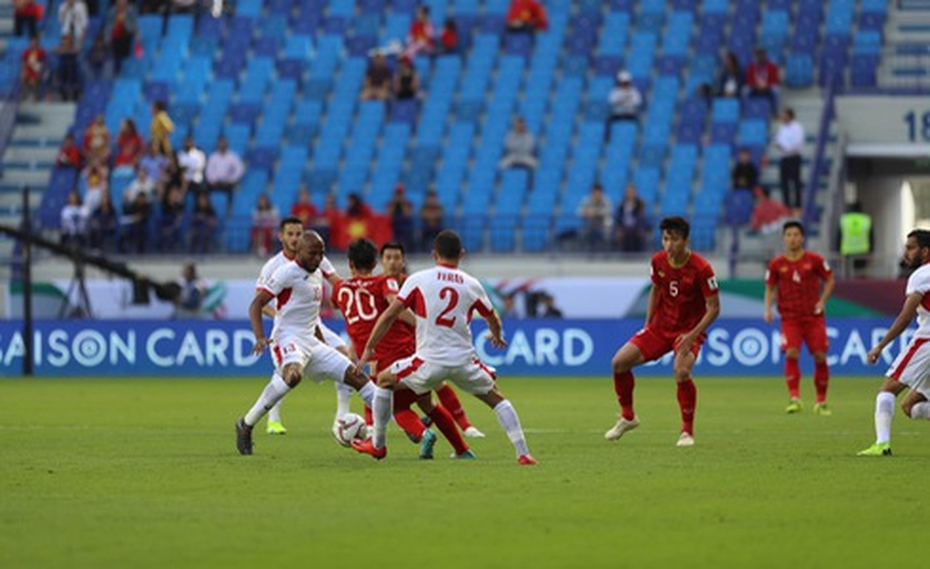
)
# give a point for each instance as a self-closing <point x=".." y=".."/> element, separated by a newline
<point x="912" y="366"/>
<point x="318" y="360"/>
<point x="331" y="338"/>
<point x="421" y="376"/>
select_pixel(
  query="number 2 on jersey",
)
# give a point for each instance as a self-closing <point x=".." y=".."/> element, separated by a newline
<point x="453" y="295"/>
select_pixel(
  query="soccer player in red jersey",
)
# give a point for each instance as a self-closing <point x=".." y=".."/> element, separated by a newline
<point x="362" y="299"/>
<point x="394" y="263"/>
<point x="803" y="281"/>
<point x="683" y="302"/>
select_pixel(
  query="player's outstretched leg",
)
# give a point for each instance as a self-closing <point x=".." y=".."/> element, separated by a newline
<point x="446" y="425"/>
<point x="687" y="403"/>
<point x="510" y="421"/>
<point x="793" y="381"/>
<point x="821" y="382"/>
<point x="884" y="413"/>
<point x="627" y="421"/>
<point x="450" y="400"/>
<point x="276" y="389"/>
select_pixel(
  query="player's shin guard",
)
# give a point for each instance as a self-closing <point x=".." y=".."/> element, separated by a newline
<point x="450" y="401"/>
<point x="793" y="377"/>
<point x="273" y="392"/>
<point x="821" y="380"/>
<point x="687" y="401"/>
<point x="507" y="416"/>
<point x="343" y="397"/>
<point x="884" y="413"/>
<point x="410" y="422"/>
<point x="446" y="425"/>
<point x="623" y="387"/>
<point x="381" y="408"/>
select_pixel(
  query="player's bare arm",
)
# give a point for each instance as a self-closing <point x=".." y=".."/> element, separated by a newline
<point x="256" y="308"/>
<point x="381" y="327"/>
<point x="769" y="295"/>
<point x="496" y="330"/>
<point x="828" y="287"/>
<point x="713" y="311"/>
<point x="901" y="323"/>
<point x="406" y="316"/>
<point x="269" y="311"/>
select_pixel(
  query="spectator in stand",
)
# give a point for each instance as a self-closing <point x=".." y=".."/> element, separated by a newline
<point x="193" y="290"/>
<point x="98" y="56"/>
<point x="172" y="218"/>
<point x="519" y="148"/>
<point x="26" y="15"/>
<point x="73" y="18"/>
<point x="137" y="215"/>
<point x="193" y="162"/>
<point x="129" y="148"/>
<point x="161" y="128"/>
<point x="421" y="38"/>
<point x="34" y="69"/>
<point x="154" y="163"/>
<point x="745" y="174"/>
<point x="549" y="309"/>
<point x="526" y="16"/>
<point x="96" y="146"/>
<point x="141" y="184"/>
<point x="264" y="224"/>
<point x="203" y="224"/>
<point x="74" y="222"/>
<point x="69" y="155"/>
<point x="625" y="101"/>
<point x="122" y="25"/>
<point x="329" y="220"/>
<point x="303" y="209"/>
<point x="789" y="141"/>
<point x="377" y="79"/>
<point x="729" y="80"/>
<point x="406" y="80"/>
<point x="68" y="72"/>
<point x="96" y="180"/>
<point x="357" y="216"/>
<point x="449" y="38"/>
<point x="631" y="223"/>
<point x="224" y="170"/>
<point x="431" y="220"/>
<point x="595" y="213"/>
<point x="400" y="209"/>
<point x="762" y="79"/>
<point x="103" y="225"/>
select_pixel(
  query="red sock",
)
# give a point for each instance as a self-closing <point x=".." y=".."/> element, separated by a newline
<point x="446" y="425"/>
<point x="623" y="387"/>
<point x="793" y="377"/>
<point x="821" y="380"/>
<point x="687" y="401"/>
<point x="453" y="406"/>
<point x="369" y="420"/>
<point x="409" y="422"/>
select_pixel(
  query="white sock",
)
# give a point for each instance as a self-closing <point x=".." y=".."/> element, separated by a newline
<point x="507" y="416"/>
<point x="381" y="407"/>
<point x="343" y="396"/>
<point x="921" y="410"/>
<point x="367" y="393"/>
<point x="274" y="414"/>
<point x="274" y="392"/>
<point x="884" y="412"/>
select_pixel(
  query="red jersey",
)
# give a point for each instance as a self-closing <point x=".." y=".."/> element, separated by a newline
<point x="362" y="300"/>
<point x="681" y="292"/>
<point x="799" y="283"/>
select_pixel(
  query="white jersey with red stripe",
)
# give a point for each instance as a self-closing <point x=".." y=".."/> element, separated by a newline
<point x="919" y="282"/>
<point x="444" y="299"/>
<point x="298" y="295"/>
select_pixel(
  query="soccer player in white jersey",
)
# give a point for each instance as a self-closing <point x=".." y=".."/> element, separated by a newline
<point x="296" y="341"/>
<point x="911" y="369"/>
<point x="443" y="299"/>
<point x="290" y="232"/>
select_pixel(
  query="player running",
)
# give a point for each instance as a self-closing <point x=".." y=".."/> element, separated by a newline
<point x="296" y="340"/>
<point x="362" y="299"/>
<point x="291" y="230"/>
<point x="683" y="302"/>
<point x="911" y="369"/>
<point x="393" y="263"/>
<point x="443" y="299"/>
<point x="804" y="282"/>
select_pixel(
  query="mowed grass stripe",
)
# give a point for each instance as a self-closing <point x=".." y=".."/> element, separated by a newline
<point x="143" y="472"/>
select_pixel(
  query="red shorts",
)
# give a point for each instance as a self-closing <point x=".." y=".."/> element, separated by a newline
<point x="811" y="330"/>
<point x="654" y="343"/>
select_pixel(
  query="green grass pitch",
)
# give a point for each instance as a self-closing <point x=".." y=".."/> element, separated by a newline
<point x="143" y="472"/>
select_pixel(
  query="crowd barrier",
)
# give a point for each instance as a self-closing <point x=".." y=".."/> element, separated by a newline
<point x="537" y="347"/>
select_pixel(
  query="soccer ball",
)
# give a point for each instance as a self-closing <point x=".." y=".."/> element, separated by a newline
<point x="351" y="427"/>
